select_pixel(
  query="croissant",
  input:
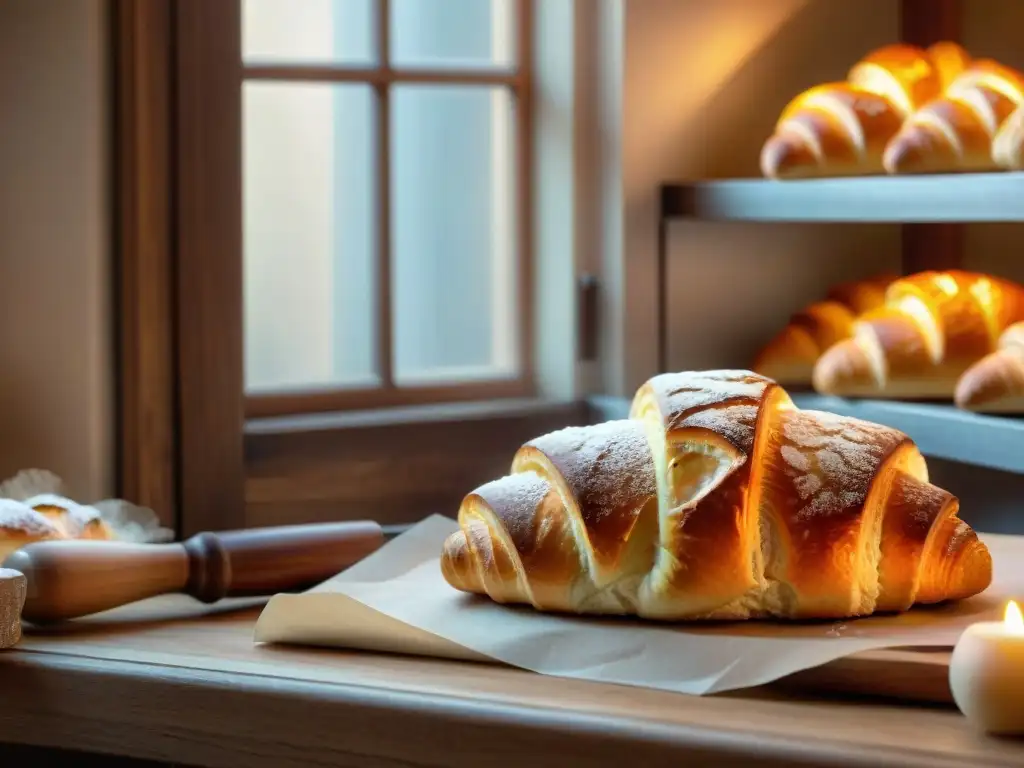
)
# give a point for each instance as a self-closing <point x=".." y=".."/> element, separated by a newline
<point x="21" y="525"/>
<point x="995" y="383"/>
<point x="73" y="520"/>
<point x="1008" y="145"/>
<point x="949" y="60"/>
<point x="790" y="356"/>
<point x="843" y="128"/>
<point x="956" y="132"/>
<point x="717" y="499"/>
<point x="932" y="328"/>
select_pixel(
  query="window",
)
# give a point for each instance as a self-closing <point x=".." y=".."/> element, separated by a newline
<point x="329" y="218"/>
<point x="385" y="168"/>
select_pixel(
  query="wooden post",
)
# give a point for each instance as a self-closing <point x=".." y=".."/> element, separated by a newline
<point x="931" y="246"/>
<point x="147" y="426"/>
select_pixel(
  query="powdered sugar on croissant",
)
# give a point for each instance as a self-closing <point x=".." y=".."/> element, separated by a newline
<point x="718" y="498"/>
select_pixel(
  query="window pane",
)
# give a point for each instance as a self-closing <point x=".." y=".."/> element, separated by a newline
<point x="452" y="33"/>
<point x="309" y="236"/>
<point x="453" y="273"/>
<point x="304" y="31"/>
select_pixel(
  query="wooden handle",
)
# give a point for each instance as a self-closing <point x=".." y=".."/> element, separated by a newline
<point x="67" y="579"/>
<point x="263" y="561"/>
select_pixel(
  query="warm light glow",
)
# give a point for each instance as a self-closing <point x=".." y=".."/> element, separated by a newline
<point x="877" y="79"/>
<point x="1012" y="618"/>
<point x="947" y="284"/>
<point x="924" y="316"/>
<point x="981" y="289"/>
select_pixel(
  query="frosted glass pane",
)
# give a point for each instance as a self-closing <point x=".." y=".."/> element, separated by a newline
<point x="453" y="33"/>
<point x="309" y="236"/>
<point x="304" y="31"/>
<point x="453" y="276"/>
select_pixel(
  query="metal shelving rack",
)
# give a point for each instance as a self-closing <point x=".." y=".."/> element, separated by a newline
<point x="939" y="198"/>
<point x="931" y="210"/>
<point x="940" y="430"/>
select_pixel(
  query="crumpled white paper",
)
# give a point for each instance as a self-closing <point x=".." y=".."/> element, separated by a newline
<point x="397" y="601"/>
<point x="129" y="522"/>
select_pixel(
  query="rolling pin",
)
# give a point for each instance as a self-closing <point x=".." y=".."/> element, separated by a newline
<point x="68" y="579"/>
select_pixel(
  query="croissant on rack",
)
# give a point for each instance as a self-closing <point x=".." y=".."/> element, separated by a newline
<point x="932" y="328"/>
<point x="995" y="384"/>
<point x="956" y="132"/>
<point x="717" y="499"/>
<point x="841" y="129"/>
<point x="1008" y="146"/>
<point x="790" y="356"/>
<point x="44" y="518"/>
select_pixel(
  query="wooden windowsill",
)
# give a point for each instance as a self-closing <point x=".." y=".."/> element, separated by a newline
<point x="392" y="465"/>
<point x="160" y="681"/>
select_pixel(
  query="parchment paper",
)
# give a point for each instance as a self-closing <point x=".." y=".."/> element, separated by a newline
<point x="397" y="601"/>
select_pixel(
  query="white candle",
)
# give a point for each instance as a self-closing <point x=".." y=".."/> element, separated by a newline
<point x="986" y="673"/>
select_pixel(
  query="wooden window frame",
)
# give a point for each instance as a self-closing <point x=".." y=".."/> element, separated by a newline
<point x="147" y="430"/>
<point x="185" y="446"/>
<point x="382" y="77"/>
<point x="192" y="446"/>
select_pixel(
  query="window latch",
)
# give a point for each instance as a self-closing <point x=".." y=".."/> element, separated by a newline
<point x="587" y="318"/>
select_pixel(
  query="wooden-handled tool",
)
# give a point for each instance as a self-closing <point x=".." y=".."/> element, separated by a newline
<point x="67" y="579"/>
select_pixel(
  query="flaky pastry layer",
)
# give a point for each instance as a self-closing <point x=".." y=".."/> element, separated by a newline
<point x="717" y="499"/>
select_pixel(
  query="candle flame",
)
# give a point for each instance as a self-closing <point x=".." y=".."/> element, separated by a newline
<point x="1012" y="618"/>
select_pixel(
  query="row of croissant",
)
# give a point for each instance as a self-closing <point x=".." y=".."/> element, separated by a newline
<point x="903" y="109"/>
<point x="48" y="517"/>
<point x="932" y="335"/>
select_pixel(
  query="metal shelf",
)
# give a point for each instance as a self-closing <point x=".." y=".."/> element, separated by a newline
<point x="966" y="197"/>
<point x="940" y="431"/>
<point x="936" y="198"/>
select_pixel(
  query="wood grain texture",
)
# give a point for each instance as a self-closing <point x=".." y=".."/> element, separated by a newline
<point x="144" y="270"/>
<point x="393" y="466"/>
<point x="153" y="681"/>
<point x="17" y="754"/>
<point x="328" y="401"/>
<point x="920" y="675"/>
<point x="931" y="246"/>
<point x="209" y="256"/>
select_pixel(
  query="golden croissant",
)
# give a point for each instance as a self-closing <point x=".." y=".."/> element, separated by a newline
<point x="843" y="128"/>
<point x="932" y="328"/>
<point x="717" y="499"/>
<point x="957" y="132"/>
<point x="47" y="517"/>
<point x="1008" y="145"/>
<point x="790" y="356"/>
<point x="995" y="384"/>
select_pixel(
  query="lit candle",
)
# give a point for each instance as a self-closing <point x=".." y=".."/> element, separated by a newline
<point x="986" y="673"/>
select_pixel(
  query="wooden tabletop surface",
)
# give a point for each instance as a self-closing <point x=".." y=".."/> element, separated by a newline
<point x="162" y="681"/>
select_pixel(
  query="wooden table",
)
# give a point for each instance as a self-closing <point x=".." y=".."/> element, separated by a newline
<point x="161" y="681"/>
